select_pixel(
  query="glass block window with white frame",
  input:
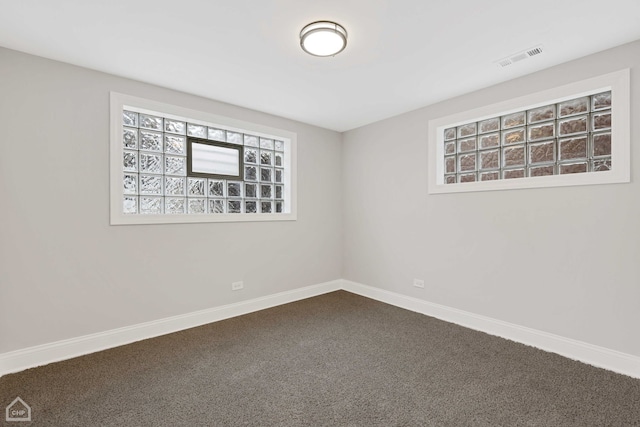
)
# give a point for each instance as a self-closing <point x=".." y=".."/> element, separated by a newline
<point x="178" y="165"/>
<point x="536" y="141"/>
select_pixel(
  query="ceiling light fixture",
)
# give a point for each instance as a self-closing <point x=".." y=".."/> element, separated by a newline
<point x="323" y="38"/>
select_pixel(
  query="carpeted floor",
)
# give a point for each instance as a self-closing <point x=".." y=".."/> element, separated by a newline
<point x="334" y="360"/>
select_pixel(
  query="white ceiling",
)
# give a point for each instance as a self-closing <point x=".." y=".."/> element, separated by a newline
<point x="401" y="54"/>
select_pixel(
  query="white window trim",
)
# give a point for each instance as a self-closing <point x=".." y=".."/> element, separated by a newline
<point x="617" y="82"/>
<point x="121" y="101"/>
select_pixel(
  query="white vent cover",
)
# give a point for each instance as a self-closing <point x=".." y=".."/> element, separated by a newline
<point x="516" y="57"/>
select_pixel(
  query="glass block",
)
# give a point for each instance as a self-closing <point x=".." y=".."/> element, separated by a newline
<point x="130" y="138"/>
<point x="197" y="206"/>
<point x="216" y="206"/>
<point x="467" y="162"/>
<point x="279" y="192"/>
<point x="513" y="173"/>
<point x="449" y="147"/>
<point x="450" y="179"/>
<point x="279" y="207"/>
<point x="151" y="205"/>
<point x="490" y="176"/>
<point x="513" y="136"/>
<point x="216" y="188"/>
<point x="490" y="125"/>
<point x="467" y="144"/>
<point x="234" y="189"/>
<point x="130" y="183"/>
<point x="266" y="158"/>
<point x="150" y="141"/>
<point x="250" y="190"/>
<point x="197" y="131"/>
<point x="542" y="152"/>
<point x="175" y="126"/>
<point x="174" y="144"/>
<point x="151" y="163"/>
<point x="449" y="134"/>
<point x="130" y="118"/>
<point x="130" y="161"/>
<point x="601" y="143"/>
<point x="130" y="205"/>
<point x="234" y="206"/>
<point x="450" y="164"/>
<point x="489" y="141"/>
<point x="251" y="141"/>
<point x="573" y="106"/>
<point x="541" y="114"/>
<point x="151" y="184"/>
<point x="266" y="144"/>
<point x="266" y="207"/>
<point x="601" y="120"/>
<point x="490" y="159"/>
<point x="467" y="130"/>
<point x="279" y="175"/>
<point x="174" y="186"/>
<point x="150" y="122"/>
<point x="601" y="101"/>
<point x="279" y="145"/>
<point x="542" y="131"/>
<point x="174" y="205"/>
<point x="514" y="120"/>
<point x="279" y="159"/>
<point x="266" y="174"/>
<point x="196" y="187"/>
<point x="251" y="173"/>
<point x="601" y="165"/>
<point x="467" y="177"/>
<point x="250" y="155"/>
<point x="234" y="137"/>
<point x="573" y="168"/>
<point x="572" y="126"/>
<point x="251" y="206"/>
<point x="541" y="170"/>
<point x="175" y="165"/>
<point x="513" y="156"/>
<point x="572" y="148"/>
<point x="217" y="134"/>
<point x="266" y="191"/>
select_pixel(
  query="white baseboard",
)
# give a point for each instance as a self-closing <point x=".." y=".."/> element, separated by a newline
<point x="577" y="350"/>
<point x="61" y="350"/>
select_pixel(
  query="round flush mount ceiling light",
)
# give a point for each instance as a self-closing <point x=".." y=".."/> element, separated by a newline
<point x="323" y="38"/>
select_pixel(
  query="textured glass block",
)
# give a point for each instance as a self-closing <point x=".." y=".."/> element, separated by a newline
<point x="150" y="122"/>
<point x="266" y="174"/>
<point x="130" y="183"/>
<point x="266" y="158"/>
<point x="234" y="137"/>
<point x="130" y="138"/>
<point x="449" y="147"/>
<point x="129" y="118"/>
<point x="513" y="173"/>
<point x="542" y="152"/>
<point x="601" y="144"/>
<point x="174" y="186"/>
<point x="175" y="165"/>
<point x="151" y="184"/>
<point x="490" y="125"/>
<point x="251" y="206"/>
<point x="467" y="177"/>
<point x="279" y="207"/>
<point x="601" y="120"/>
<point x="251" y="173"/>
<point x="250" y="190"/>
<point x="572" y="148"/>
<point x="572" y="126"/>
<point x="490" y="140"/>
<point x="541" y="114"/>
<point x="174" y="205"/>
<point x="234" y="206"/>
<point x="197" y="131"/>
<point x="196" y="187"/>
<point x="450" y="164"/>
<point x="216" y="188"/>
<point x="251" y="141"/>
<point x="450" y="179"/>
<point x="279" y="192"/>
<point x="541" y="170"/>
<point x="266" y="191"/>
<point x="601" y="165"/>
<point x="130" y="205"/>
<point x="542" y="131"/>
<point x="130" y="161"/>
<point x="234" y="189"/>
<point x="266" y="144"/>
<point x="490" y="176"/>
<point x="279" y="175"/>
<point x="250" y="155"/>
<point x="449" y="134"/>
<point x="175" y="126"/>
<point x="174" y="144"/>
<point x="601" y="101"/>
<point x="197" y="206"/>
<point x="279" y="145"/>
<point x="150" y="141"/>
<point x="573" y="168"/>
<point x="467" y="162"/>
<point x="217" y="134"/>
<point x="151" y="205"/>
<point x="490" y="159"/>
<point x="513" y="156"/>
<point x="573" y="106"/>
<point x="466" y="145"/>
<point x="514" y="120"/>
<point x="279" y="159"/>
<point x="216" y="206"/>
<point x="466" y="130"/>
<point x="513" y="136"/>
<point x="266" y="207"/>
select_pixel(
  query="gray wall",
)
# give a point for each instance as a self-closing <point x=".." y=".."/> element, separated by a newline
<point x="561" y="260"/>
<point x="65" y="272"/>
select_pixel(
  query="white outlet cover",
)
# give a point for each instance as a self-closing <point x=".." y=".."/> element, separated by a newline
<point x="418" y="283"/>
<point x="236" y="286"/>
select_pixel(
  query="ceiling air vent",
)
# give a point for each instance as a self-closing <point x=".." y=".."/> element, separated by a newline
<point x="516" y="57"/>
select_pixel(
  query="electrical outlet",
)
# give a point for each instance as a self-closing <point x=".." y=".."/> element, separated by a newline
<point x="418" y="283"/>
<point x="236" y="286"/>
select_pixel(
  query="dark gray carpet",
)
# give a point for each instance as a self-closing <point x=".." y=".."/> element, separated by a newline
<point x="333" y="360"/>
